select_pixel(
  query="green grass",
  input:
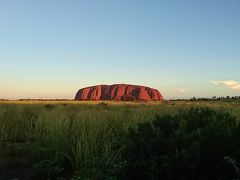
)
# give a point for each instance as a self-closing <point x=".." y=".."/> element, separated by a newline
<point x="77" y="138"/>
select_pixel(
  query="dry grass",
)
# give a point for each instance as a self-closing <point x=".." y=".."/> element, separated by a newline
<point x="89" y="134"/>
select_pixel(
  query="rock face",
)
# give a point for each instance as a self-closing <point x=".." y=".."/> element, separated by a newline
<point x="119" y="92"/>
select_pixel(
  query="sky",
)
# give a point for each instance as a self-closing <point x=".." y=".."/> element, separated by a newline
<point x="52" y="48"/>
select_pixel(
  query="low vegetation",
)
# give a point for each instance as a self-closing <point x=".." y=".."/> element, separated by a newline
<point x="198" y="144"/>
<point x="74" y="140"/>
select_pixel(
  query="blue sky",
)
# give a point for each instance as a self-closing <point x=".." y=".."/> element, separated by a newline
<point x="51" y="48"/>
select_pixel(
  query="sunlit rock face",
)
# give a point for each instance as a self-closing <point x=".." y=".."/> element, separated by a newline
<point x="119" y="92"/>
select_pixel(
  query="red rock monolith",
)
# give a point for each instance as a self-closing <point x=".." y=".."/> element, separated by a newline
<point x="119" y="92"/>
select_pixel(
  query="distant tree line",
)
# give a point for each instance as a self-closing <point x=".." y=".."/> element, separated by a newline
<point x="44" y="100"/>
<point x="216" y="98"/>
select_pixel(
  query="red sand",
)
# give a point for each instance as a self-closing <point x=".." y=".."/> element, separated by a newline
<point x="119" y="92"/>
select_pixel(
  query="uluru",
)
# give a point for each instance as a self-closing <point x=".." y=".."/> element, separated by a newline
<point x="119" y="92"/>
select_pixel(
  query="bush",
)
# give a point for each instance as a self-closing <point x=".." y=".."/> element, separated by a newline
<point x="49" y="107"/>
<point x="198" y="144"/>
<point x="51" y="168"/>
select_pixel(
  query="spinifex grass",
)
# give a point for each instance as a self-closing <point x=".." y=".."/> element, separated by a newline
<point x="81" y="138"/>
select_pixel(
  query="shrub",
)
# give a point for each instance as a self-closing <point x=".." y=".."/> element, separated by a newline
<point x="49" y="106"/>
<point x="51" y="168"/>
<point x="198" y="144"/>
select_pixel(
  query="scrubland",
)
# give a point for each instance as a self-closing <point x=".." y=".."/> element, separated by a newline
<point x="119" y="140"/>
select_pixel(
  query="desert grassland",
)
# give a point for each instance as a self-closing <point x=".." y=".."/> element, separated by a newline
<point x="165" y="107"/>
<point x="58" y="138"/>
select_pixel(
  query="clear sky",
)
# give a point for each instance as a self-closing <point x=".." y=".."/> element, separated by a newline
<point x="184" y="48"/>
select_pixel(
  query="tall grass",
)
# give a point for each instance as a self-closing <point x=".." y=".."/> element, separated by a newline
<point x="83" y="138"/>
